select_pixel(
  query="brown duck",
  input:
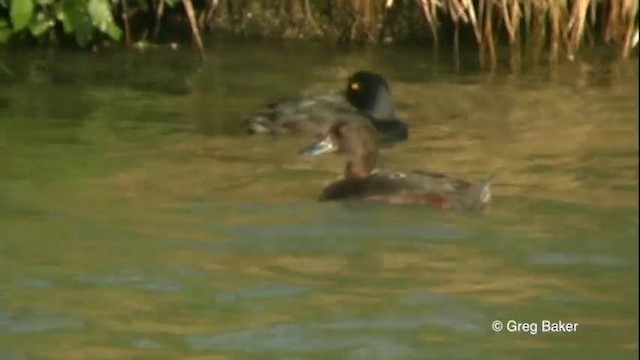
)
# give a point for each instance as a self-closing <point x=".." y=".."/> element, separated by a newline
<point x="357" y="140"/>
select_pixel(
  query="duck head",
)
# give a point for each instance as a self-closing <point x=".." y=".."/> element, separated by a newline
<point x="355" y="139"/>
<point x="369" y="93"/>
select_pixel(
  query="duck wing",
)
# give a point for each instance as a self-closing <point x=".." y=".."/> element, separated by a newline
<point x="312" y="104"/>
<point x="384" y="183"/>
<point x="417" y="187"/>
<point x="313" y="116"/>
<point x="452" y="192"/>
<point x="391" y="129"/>
<point x="418" y="182"/>
<point x="306" y="115"/>
<point x="438" y="181"/>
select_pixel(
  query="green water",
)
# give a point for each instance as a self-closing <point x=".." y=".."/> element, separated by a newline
<point x="138" y="221"/>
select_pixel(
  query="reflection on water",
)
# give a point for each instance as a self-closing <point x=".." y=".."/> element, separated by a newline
<point x="138" y="221"/>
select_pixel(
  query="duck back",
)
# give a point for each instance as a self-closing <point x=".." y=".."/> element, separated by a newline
<point x="417" y="187"/>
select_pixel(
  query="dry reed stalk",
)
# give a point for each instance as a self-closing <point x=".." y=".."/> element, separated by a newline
<point x="207" y="15"/>
<point x="464" y="10"/>
<point x="555" y="18"/>
<point x="428" y="8"/>
<point x="125" y="21"/>
<point x="511" y="17"/>
<point x="510" y="22"/>
<point x="488" y="34"/>
<point x="561" y="26"/>
<point x="456" y="11"/>
<point x="308" y="15"/>
<point x="456" y="14"/>
<point x="159" y="14"/>
<point x="456" y="45"/>
<point x="538" y="30"/>
<point x="614" y="10"/>
<point x="472" y="18"/>
<point x="366" y="19"/>
<point x="593" y="15"/>
<point x="565" y="24"/>
<point x="515" y="59"/>
<point x="516" y="14"/>
<point x="575" y="26"/>
<point x="480" y="17"/>
<point x="188" y="7"/>
<point x="631" y="37"/>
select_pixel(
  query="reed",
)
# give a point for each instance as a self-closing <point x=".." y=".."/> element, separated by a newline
<point x="552" y="27"/>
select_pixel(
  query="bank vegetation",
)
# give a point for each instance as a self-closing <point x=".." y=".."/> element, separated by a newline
<point x="550" y="28"/>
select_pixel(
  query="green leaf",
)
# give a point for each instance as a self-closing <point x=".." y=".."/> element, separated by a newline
<point x="100" y="13"/>
<point x="72" y="15"/>
<point x="84" y="33"/>
<point x="114" y="31"/>
<point x="21" y="11"/>
<point x="41" y="24"/>
<point x="171" y="3"/>
<point x="5" y="31"/>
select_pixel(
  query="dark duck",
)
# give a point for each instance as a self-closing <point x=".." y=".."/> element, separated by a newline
<point x="358" y="142"/>
<point x="367" y="96"/>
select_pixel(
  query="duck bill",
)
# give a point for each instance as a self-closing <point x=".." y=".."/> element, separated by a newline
<point x="325" y="146"/>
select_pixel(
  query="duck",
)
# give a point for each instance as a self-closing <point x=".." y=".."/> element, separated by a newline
<point x="367" y="95"/>
<point x="358" y="141"/>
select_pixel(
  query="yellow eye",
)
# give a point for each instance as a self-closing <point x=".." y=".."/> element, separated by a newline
<point x="354" y="86"/>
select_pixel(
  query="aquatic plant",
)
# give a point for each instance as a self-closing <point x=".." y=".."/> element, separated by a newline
<point x="554" y="27"/>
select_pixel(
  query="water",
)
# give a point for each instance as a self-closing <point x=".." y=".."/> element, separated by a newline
<point x="138" y="221"/>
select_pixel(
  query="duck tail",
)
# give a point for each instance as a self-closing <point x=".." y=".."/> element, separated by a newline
<point x="479" y="194"/>
<point x="259" y="123"/>
<point x="493" y="175"/>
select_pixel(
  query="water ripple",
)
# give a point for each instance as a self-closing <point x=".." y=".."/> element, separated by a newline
<point x="263" y="292"/>
<point x="34" y="283"/>
<point x="130" y="277"/>
<point x="10" y="323"/>
<point x="457" y="322"/>
<point x="296" y="339"/>
<point x="560" y="259"/>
